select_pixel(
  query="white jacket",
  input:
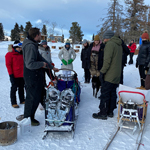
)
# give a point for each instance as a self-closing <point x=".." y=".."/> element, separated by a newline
<point x="67" y="55"/>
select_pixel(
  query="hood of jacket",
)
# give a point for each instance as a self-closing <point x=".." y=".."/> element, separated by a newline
<point x="28" y="41"/>
<point x="116" y="40"/>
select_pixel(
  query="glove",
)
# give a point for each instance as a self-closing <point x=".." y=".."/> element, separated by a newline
<point x="70" y="61"/>
<point x="53" y="64"/>
<point x="101" y="77"/>
<point x="64" y="62"/>
<point x="136" y="65"/>
<point x="12" y="79"/>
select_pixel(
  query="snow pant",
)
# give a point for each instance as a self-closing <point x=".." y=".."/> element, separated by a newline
<point x="87" y="75"/>
<point x="121" y="78"/>
<point x="142" y="75"/>
<point x="131" y="58"/>
<point x="147" y="82"/>
<point x="18" y="84"/>
<point x="33" y="98"/>
<point x="49" y="73"/>
<point x="108" y="97"/>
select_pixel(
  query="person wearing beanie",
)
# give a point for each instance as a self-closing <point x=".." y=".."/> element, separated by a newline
<point x="84" y="59"/>
<point x="67" y="55"/>
<point x="132" y="48"/>
<point x="14" y="64"/>
<point x="45" y="52"/>
<point x="143" y="59"/>
<point x="110" y="74"/>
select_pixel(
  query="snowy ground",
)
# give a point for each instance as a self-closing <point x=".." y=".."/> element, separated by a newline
<point x="90" y="134"/>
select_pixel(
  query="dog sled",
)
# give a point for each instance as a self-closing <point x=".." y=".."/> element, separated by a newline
<point x="61" y="104"/>
<point x="132" y="111"/>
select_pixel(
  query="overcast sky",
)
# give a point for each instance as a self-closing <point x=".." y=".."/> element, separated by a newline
<point x="63" y="12"/>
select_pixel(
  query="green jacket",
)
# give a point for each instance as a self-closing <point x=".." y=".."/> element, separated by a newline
<point x="112" y="60"/>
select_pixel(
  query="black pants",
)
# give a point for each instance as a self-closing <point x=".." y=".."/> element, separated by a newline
<point x="34" y="95"/>
<point x="19" y="84"/>
<point x="131" y="58"/>
<point x="142" y="75"/>
<point x="121" y="78"/>
<point x="87" y="75"/>
<point x="108" y="97"/>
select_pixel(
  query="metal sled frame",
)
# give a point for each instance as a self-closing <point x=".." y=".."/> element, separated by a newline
<point x="63" y="128"/>
<point x="127" y="118"/>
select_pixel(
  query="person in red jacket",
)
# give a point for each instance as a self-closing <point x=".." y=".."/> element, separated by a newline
<point x="132" y="48"/>
<point x="14" y="64"/>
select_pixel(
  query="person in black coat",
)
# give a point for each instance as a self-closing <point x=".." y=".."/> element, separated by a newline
<point x="143" y="58"/>
<point x="125" y="53"/>
<point x="84" y="59"/>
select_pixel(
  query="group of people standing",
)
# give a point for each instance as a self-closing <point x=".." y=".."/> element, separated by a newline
<point x="27" y="63"/>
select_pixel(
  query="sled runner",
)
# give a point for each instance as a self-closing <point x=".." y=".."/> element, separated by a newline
<point x="61" y="104"/>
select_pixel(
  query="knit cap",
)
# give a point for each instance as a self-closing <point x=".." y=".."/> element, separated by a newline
<point x="108" y="34"/>
<point x="44" y="42"/>
<point x="17" y="44"/>
<point x="67" y="42"/>
<point x="84" y="41"/>
<point x="145" y="35"/>
<point x="96" y="38"/>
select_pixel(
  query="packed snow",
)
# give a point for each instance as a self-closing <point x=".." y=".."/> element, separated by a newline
<point x="90" y="134"/>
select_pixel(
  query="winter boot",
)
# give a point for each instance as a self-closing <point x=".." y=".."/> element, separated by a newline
<point x="99" y="116"/>
<point x="34" y="122"/>
<point x="110" y="114"/>
<point x="22" y="102"/>
<point x="15" y="106"/>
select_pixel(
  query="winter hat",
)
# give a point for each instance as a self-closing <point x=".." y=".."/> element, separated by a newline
<point x="67" y="42"/>
<point x="44" y="42"/>
<point x="17" y="44"/>
<point x="84" y="41"/>
<point x="108" y="34"/>
<point x="145" y="35"/>
<point x="96" y="38"/>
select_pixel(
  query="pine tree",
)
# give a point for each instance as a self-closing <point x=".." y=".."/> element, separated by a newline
<point x="135" y="19"/>
<point x="1" y="32"/>
<point x="12" y="35"/>
<point x="21" y="28"/>
<point x="15" y="33"/>
<point x="75" y="33"/>
<point x="62" y="40"/>
<point x="28" y="26"/>
<point x="93" y="37"/>
<point x="44" y="30"/>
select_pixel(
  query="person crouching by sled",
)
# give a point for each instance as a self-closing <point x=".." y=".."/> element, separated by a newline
<point x="14" y="64"/>
<point x="45" y="52"/>
<point x="110" y="75"/>
<point x="67" y="55"/>
<point x="84" y="59"/>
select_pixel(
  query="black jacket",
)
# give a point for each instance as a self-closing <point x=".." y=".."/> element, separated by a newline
<point x="84" y="57"/>
<point x="144" y="54"/>
<point x="125" y="53"/>
<point x="100" y="55"/>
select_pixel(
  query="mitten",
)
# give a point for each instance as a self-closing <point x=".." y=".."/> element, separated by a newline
<point x="12" y="80"/>
<point x="64" y="62"/>
<point x="70" y="61"/>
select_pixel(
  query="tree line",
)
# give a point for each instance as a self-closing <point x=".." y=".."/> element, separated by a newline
<point x="75" y="31"/>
